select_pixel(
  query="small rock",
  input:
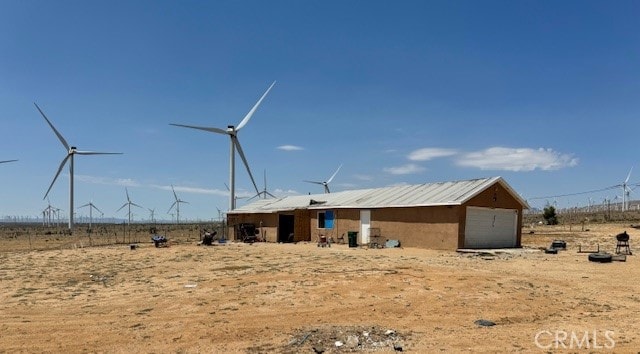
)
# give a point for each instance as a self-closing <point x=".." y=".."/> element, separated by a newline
<point x="397" y="347"/>
<point x="390" y="332"/>
<point x="484" y="323"/>
<point x="318" y="350"/>
<point x="366" y="334"/>
<point x="339" y="344"/>
<point x="352" y="341"/>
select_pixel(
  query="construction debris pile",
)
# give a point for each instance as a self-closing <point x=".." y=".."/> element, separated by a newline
<point x="340" y="339"/>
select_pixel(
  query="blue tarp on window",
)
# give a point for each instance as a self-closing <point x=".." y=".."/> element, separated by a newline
<point x="328" y="219"/>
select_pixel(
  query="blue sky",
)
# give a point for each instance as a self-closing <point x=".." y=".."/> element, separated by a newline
<point x="543" y="93"/>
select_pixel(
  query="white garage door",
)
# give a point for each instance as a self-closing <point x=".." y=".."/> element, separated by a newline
<point x="490" y="228"/>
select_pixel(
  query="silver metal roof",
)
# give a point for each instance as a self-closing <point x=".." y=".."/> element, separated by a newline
<point x="428" y="194"/>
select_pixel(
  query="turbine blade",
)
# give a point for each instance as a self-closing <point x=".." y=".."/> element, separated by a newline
<point x="334" y="174"/>
<point x="7" y="161"/>
<point x="244" y="159"/>
<point x="134" y="204"/>
<point x="313" y="182"/>
<point x="253" y="110"/>
<point x="272" y="196"/>
<point x="64" y="161"/>
<point x="127" y="191"/>
<point x="172" y="205"/>
<point x="82" y="206"/>
<point x="96" y="208"/>
<point x="123" y="205"/>
<point x="628" y="176"/>
<point x="60" y="137"/>
<point x="208" y="129"/>
<point x="174" y="193"/>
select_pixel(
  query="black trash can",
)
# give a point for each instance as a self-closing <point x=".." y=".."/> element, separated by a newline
<point x="353" y="238"/>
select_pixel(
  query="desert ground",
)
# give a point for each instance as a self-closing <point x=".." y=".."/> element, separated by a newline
<point x="73" y="294"/>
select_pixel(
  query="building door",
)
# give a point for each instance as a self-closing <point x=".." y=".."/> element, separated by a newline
<point x="490" y="228"/>
<point x="285" y="228"/>
<point x="365" y="225"/>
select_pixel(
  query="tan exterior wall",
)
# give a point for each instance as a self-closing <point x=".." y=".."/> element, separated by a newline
<point x="425" y="227"/>
<point x="345" y="220"/>
<point x="302" y="231"/>
<point x="495" y="196"/>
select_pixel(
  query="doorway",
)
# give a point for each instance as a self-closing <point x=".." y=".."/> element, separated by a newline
<point x="285" y="228"/>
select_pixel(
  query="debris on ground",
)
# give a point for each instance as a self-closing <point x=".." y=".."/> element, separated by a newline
<point x="338" y="339"/>
<point x="392" y="244"/>
<point x="159" y="240"/>
<point x="484" y="323"/>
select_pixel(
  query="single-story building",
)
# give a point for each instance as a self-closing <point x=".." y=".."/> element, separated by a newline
<point x="479" y="213"/>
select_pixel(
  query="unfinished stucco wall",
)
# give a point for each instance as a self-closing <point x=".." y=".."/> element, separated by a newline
<point x="432" y="227"/>
<point x="495" y="196"/>
<point x="302" y="232"/>
<point x="345" y="220"/>
<point x="424" y="227"/>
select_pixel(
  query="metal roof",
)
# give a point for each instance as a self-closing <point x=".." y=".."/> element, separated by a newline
<point x="427" y="194"/>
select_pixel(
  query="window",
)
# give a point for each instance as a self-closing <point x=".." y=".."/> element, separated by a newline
<point x="325" y="219"/>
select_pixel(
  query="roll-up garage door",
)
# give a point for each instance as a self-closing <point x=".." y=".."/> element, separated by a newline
<point x="490" y="228"/>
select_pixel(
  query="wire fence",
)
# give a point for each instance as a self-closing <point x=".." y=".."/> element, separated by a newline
<point x="31" y="237"/>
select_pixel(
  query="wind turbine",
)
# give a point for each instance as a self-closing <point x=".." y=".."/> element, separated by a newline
<point x="128" y="203"/>
<point x="48" y="212"/>
<point x="232" y="131"/>
<point x="91" y="207"/>
<point x="152" y="212"/>
<point x="176" y="204"/>
<point x="326" y="183"/>
<point x="264" y="192"/>
<point x="5" y="161"/>
<point x="626" y="191"/>
<point x="71" y="151"/>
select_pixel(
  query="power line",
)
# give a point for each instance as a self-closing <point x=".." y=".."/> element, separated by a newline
<point x="581" y="193"/>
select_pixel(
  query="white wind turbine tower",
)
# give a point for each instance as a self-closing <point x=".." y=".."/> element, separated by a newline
<point x="235" y="144"/>
<point x="176" y="204"/>
<point x="129" y="203"/>
<point x="71" y="151"/>
<point x="626" y="191"/>
<point x="326" y="183"/>
<point x="91" y="207"/>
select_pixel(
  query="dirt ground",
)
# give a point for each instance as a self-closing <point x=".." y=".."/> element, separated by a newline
<point x="300" y="298"/>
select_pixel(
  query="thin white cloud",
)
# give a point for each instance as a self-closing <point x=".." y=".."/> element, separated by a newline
<point x="194" y="190"/>
<point x="404" y="170"/>
<point x="283" y="192"/>
<point x="426" y="154"/>
<point x="290" y="148"/>
<point x="363" y="177"/>
<point x="125" y="182"/>
<point x="517" y="159"/>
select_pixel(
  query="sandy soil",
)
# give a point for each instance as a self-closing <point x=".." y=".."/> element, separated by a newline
<point x="300" y="298"/>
